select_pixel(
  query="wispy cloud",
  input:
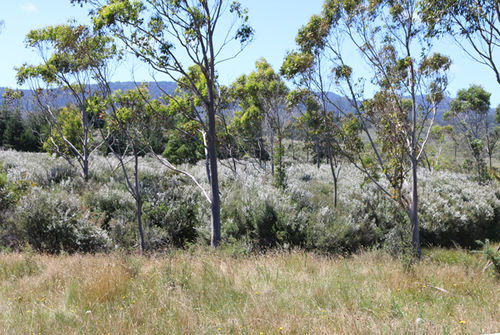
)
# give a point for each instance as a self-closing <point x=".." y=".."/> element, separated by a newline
<point x="29" y="7"/>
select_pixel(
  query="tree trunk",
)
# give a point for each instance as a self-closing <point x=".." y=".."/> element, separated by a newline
<point x="318" y="157"/>
<point x="139" y="222"/>
<point x="85" y="145"/>
<point x="271" y="144"/>
<point x="335" y="191"/>
<point x="138" y="199"/>
<point x="207" y="160"/>
<point x="414" y="210"/>
<point x="214" y="176"/>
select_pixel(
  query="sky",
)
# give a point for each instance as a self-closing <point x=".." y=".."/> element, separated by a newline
<point x="275" y="22"/>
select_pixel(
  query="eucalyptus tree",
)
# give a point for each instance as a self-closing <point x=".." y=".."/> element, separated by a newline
<point x="73" y="57"/>
<point x="407" y="82"/>
<point x="262" y="95"/>
<point x="469" y="113"/>
<point x="131" y="118"/>
<point x="172" y="35"/>
<point x="309" y="67"/>
<point x="473" y="24"/>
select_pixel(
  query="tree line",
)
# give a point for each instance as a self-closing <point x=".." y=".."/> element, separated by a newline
<point x="384" y="132"/>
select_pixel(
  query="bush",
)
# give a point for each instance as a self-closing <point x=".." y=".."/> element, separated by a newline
<point x="51" y="222"/>
<point x="170" y="211"/>
<point x="261" y="221"/>
<point x="112" y="204"/>
<point x="455" y="210"/>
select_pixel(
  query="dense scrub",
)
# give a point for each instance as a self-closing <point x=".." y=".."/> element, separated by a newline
<point x="45" y="203"/>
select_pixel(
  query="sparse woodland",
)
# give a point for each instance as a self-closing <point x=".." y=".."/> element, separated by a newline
<point x="309" y="199"/>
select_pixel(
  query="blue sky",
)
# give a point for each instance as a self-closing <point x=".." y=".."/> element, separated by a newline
<point x="275" y="22"/>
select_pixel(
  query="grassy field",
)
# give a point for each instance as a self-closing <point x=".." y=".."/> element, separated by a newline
<point x="216" y="292"/>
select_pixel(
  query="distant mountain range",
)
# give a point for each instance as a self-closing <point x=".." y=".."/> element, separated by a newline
<point x="156" y="90"/>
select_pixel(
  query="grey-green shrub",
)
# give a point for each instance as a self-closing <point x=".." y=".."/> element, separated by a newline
<point x="170" y="212"/>
<point x="55" y="221"/>
<point x="112" y="203"/>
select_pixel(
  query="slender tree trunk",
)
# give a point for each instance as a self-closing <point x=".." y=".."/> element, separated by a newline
<point x="488" y="148"/>
<point x="139" y="222"/>
<point x="414" y="209"/>
<point x="214" y="176"/>
<point x="271" y="144"/>
<point x="138" y="199"/>
<point x="414" y="164"/>
<point x="335" y="185"/>
<point x="318" y="157"/>
<point x="85" y="145"/>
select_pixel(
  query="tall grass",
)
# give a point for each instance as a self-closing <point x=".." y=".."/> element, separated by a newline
<point x="216" y="292"/>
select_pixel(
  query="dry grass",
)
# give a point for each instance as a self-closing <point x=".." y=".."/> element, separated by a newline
<point x="212" y="292"/>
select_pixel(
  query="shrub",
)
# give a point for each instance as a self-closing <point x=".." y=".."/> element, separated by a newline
<point x="111" y="203"/>
<point x="455" y="210"/>
<point x="170" y="211"/>
<point x="262" y="220"/>
<point x="51" y="222"/>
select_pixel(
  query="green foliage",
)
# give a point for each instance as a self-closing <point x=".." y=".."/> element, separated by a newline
<point x="280" y="172"/>
<point x="469" y="112"/>
<point x="16" y="132"/>
<point x="74" y="48"/>
<point x="135" y="122"/>
<point x="170" y="212"/>
<point x="261" y="97"/>
<point x="182" y="148"/>
<point x="70" y="128"/>
<point x="491" y="255"/>
<point x="112" y="203"/>
<point x="52" y="222"/>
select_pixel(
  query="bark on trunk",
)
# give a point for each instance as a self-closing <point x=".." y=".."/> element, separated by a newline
<point x="207" y="160"/>
<point x="138" y="200"/>
<point x="139" y="223"/>
<point x="271" y="144"/>
<point x="85" y="145"/>
<point x="214" y="176"/>
<point x="318" y="158"/>
<point x="414" y="210"/>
